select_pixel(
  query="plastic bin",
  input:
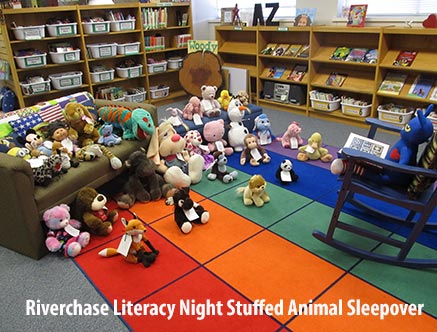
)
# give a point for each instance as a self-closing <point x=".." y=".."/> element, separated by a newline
<point x="158" y="67"/>
<point x="66" y="80"/>
<point x="30" y="61"/>
<point x="96" y="27"/>
<point x="128" y="48"/>
<point x="102" y="50"/>
<point x="175" y="63"/>
<point x="62" y="29"/>
<point x="67" y="56"/>
<point x="29" y="89"/>
<point x="137" y="97"/>
<point x="123" y="25"/>
<point x="159" y="91"/>
<point x="102" y="76"/>
<point x="130" y="71"/>
<point x="29" y="32"/>
<point x="325" y="105"/>
<point x="394" y="117"/>
<point x="355" y="110"/>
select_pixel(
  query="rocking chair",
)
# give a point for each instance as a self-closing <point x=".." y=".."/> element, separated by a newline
<point x="416" y="202"/>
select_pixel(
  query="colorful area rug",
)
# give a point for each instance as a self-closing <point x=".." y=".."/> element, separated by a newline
<point x="258" y="269"/>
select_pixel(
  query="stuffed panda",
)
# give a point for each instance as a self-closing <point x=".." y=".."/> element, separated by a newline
<point x="285" y="172"/>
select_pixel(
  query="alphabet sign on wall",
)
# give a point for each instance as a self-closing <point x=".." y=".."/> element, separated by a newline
<point x="258" y="17"/>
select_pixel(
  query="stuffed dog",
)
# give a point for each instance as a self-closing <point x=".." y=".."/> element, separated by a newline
<point x="255" y="191"/>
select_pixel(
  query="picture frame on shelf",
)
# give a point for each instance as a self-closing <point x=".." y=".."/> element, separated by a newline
<point x="227" y="16"/>
<point x="356" y="16"/>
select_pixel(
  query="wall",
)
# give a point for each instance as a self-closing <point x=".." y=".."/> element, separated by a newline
<point x="203" y="11"/>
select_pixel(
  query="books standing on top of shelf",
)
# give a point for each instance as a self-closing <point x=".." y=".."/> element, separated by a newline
<point x="336" y="79"/>
<point x="292" y="50"/>
<point x="340" y="53"/>
<point x="356" y="55"/>
<point x="392" y="83"/>
<point x="305" y="17"/>
<point x="297" y="73"/>
<point x="405" y="58"/>
<point x="421" y="86"/>
<point x="280" y="49"/>
<point x="304" y="52"/>
<point x="268" y="50"/>
<point x="357" y="16"/>
<point x="368" y="145"/>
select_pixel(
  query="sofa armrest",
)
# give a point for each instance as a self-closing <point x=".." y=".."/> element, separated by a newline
<point x="148" y="107"/>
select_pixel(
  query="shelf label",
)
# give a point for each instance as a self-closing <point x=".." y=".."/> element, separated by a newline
<point x="282" y="28"/>
<point x="238" y="28"/>
<point x="165" y="4"/>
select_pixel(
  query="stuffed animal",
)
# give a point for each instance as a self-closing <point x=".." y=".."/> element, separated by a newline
<point x="224" y="99"/>
<point x="255" y="191"/>
<point x="59" y="133"/>
<point x="64" y="235"/>
<point x="193" y="110"/>
<point x="262" y="130"/>
<point x="243" y="97"/>
<point x="237" y="131"/>
<point x="136" y="124"/>
<point x="291" y="138"/>
<point x="175" y="117"/>
<point x="253" y="152"/>
<point x="90" y="208"/>
<point x="220" y="171"/>
<point x="81" y="124"/>
<point x="51" y="168"/>
<point x="143" y="184"/>
<point x="134" y="245"/>
<point x="210" y="106"/>
<point x="35" y="143"/>
<point x="167" y="150"/>
<point x="193" y="144"/>
<point x="285" y="172"/>
<point x="107" y="135"/>
<point x="213" y="132"/>
<point x="187" y="212"/>
<point x="314" y="150"/>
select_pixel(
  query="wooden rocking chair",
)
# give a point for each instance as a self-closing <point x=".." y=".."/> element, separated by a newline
<point x="417" y="202"/>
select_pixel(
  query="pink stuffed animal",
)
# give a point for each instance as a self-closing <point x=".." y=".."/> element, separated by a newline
<point x="193" y="144"/>
<point x="213" y="132"/>
<point x="193" y="107"/>
<point x="291" y="138"/>
<point x="64" y="235"/>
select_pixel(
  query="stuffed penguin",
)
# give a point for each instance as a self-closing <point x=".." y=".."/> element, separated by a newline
<point x="285" y="172"/>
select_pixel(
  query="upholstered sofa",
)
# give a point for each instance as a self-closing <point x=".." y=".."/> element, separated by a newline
<point x="22" y="203"/>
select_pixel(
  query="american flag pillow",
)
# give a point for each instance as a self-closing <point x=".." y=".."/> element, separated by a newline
<point x="51" y="113"/>
<point x="22" y="124"/>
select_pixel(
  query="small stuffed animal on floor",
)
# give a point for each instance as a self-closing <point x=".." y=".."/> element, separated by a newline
<point x="64" y="235"/>
<point x="219" y="169"/>
<point x="314" y="150"/>
<point x="255" y="191"/>
<point x="285" y="172"/>
<point x="291" y="138"/>
<point x="262" y="130"/>
<point x="187" y="212"/>
<point x="134" y="244"/>
<point x="253" y="152"/>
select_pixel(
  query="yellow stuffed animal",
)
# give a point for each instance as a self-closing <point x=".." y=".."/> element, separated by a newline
<point x="80" y="120"/>
<point x="314" y="150"/>
<point x="224" y="99"/>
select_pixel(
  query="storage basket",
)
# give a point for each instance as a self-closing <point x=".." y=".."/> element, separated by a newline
<point x="175" y="63"/>
<point x="137" y="97"/>
<point x="130" y="71"/>
<point x="29" y="32"/>
<point x="158" y="67"/>
<point x="96" y="27"/>
<point x="62" y="29"/>
<point x="123" y="25"/>
<point x="30" y="61"/>
<point x="102" y="50"/>
<point x="355" y="110"/>
<point x="67" y="56"/>
<point x="66" y="80"/>
<point x="102" y="76"/>
<point x="394" y="117"/>
<point x="325" y="105"/>
<point x="29" y="89"/>
<point x="128" y="48"/>
<point x="159" y="91"/>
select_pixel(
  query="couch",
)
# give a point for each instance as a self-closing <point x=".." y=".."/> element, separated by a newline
<point x="22" y="203"/>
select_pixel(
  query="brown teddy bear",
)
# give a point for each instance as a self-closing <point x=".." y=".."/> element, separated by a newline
<point x="82" y="122"/>
<point x="90" y="207"/>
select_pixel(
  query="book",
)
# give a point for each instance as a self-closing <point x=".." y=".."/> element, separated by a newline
<point x="340" y="53"/>
<point x="336" y="79"/>
<point x="356" y="15"/>
<point x="405" y="58"/>
<point x="292" y="50"/>
<point x="305" y="16"/>
<point x="278" y="72"/>
<point x="280" y="49"/>
<point x="356" y="55"/>
<point x="434" y="94"/>
<point x="421" y="86"/>
<point x="304" y="52"/>
<point x="392" y="83"/>
<point x="368" y="145"/>
<point x="268" y="50"/>
<point x="297" y="73"/>
<point x="371" y="56"/>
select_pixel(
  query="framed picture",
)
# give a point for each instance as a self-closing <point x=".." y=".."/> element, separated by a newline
<point x="357" y="15"/>
<point x="227" y="17"/>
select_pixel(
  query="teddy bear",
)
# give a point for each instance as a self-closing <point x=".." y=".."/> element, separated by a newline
<point x="107" y="135"/>
<point x="210" y="105"/>
<point x="291" y="138"/>
<point x="253" y="152"/>
<point x="193" y="110"/>
<point x="314" y="150"/>
<point x="193" y="144"/>
<point x="255" y="191"/>
<point x="262" y="130"/>
<point x="90" y="208"/>
<point x="143" y="183"/>
<point x="237" y="130"/>
<point x="63" y="234"/>
<point x="81" y="123"/>
<point x="167" y="150"/>
<point x="285" y="172"/>
<point x="224" y="99"/>
<point x="213" y="132"/>
<point x="219" y="169"/>
<point x="187" y="212"/>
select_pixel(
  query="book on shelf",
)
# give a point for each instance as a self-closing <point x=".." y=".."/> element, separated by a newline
<point x="421" y="86"/>
<point x="274" y="72"/>
<point x="297" y="73"/>
<point x="280" y="49"/>
<point x="293" y="50"/>
<point x="356" y="55"/>
<point x="392" y="83"/>
<point x="405" y="58"/>
<point x="368" y="145"/>
<point x="371" y="56"/>
<point x="268" y="50"/>
<point x="433" y="94"/>
<point x="356" y="16"/>
<point x="340" y="53"/>
<point x="304" y="52"/>
<point x="336" y="79"/>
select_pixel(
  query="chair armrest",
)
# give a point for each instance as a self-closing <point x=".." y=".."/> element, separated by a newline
<point x="152" y="109"/>
<point x="376" y="124"/>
